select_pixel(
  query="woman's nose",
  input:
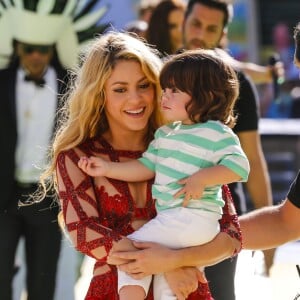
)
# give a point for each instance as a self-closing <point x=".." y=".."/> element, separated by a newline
<point x="135" y="96"/>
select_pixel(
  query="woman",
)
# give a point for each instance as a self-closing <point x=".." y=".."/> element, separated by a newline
<point x="111" y="112"/>
<point x="165" y="26"/>
<point x="189" y="150"/>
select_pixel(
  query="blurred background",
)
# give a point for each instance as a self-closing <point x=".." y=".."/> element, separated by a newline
<point x="259" y="30"/>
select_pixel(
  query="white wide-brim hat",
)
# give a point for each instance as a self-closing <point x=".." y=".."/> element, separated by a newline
<point x="40" y="27"/>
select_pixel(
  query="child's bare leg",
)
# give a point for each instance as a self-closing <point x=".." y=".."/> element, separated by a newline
<point x="129" y="291"/>
<point x="132" y="292"/>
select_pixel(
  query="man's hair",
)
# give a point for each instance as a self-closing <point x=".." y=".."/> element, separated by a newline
<point x="221" y="5"/>
<point x="297" y="41"/>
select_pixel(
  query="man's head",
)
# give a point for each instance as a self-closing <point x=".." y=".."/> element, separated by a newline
<point x="34" y="58"/>
<point x="205" y="23"/>
<point x="67" y="24"/>
<point x="297" y="45"/>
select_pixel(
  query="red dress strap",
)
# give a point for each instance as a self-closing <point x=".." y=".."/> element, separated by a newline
<point x="229" y="222"/>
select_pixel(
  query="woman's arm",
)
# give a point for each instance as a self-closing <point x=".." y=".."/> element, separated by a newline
<point x="80" y="208"/>
<point x="154" y="258"/>
<point x="182" y="281"/>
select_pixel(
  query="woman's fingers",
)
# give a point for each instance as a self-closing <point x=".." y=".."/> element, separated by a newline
<point x="116" y="261"/>
<point x="151" y="259"/>
<point x="129" y="255"/>
<point x="129" y="268"/>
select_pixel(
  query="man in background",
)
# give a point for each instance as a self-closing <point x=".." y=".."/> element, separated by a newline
<point x="38" y="43"/>
<point x="204" y="26"/>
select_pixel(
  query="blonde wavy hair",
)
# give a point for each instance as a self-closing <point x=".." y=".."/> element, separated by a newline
<point x="82" y="116"/>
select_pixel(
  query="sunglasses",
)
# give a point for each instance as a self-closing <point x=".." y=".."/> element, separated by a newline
<point x="29" y="49"/>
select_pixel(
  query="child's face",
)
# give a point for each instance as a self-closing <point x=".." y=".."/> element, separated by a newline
<point x="173" y="105"/>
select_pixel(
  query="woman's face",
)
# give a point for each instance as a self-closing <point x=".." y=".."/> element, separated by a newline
<point x="175" y="21"/>
<point x="129" y="98"/>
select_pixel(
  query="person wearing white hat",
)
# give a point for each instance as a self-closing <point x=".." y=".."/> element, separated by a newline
<point x="39" y="41"/>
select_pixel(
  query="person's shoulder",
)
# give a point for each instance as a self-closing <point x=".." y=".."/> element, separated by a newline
<point x="90" y="143"/>
<point x="7" y="71"/>
<point x="4" y="70"/>
<point x="7" y="77"/>
<point x="74" y="153"/>
<point x="61" y="72"/>
<point x="162" y="130"/>
<point x="220" y="127"/>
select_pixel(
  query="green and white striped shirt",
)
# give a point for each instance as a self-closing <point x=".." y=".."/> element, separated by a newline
<point x="179" y="151"/>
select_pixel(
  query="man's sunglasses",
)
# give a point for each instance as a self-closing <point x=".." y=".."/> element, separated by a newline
<point x="29" y="49"/>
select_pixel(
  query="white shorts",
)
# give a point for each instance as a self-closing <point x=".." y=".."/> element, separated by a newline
<point x="175" y="228"/>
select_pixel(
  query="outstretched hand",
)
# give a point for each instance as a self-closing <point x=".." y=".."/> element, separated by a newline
<point x="93" y="166"/>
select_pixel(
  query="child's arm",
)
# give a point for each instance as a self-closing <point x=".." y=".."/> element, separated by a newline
<point x="131" y="171"/>
<point x="195" y="184"/>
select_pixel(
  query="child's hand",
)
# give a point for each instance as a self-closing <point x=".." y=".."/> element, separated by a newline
<point x="93" y="166"/>
<point x="192" y="189"/>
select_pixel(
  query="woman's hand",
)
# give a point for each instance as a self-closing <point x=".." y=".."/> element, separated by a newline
<point x="151" y="259"/>
<point x="124" y="244"/>
<point x="184" y="281"/>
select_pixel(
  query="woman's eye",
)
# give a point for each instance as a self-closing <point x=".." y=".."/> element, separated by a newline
<point x="145" y="85"/>
<point x="120" y="90"/>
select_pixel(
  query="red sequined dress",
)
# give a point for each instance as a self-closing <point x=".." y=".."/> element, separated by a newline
<point x="98" y="211"/>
